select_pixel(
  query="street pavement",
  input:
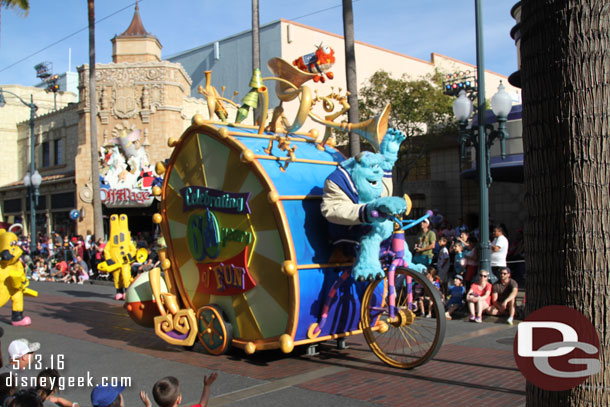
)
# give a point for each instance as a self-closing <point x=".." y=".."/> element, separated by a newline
<point x="92" y="333"/>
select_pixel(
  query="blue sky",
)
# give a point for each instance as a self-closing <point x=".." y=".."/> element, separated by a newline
<point x="412" y="27"/>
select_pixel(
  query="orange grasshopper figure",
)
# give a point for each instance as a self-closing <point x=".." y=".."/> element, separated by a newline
<point x="318" y="63"/>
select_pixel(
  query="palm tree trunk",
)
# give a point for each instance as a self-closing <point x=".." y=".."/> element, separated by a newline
<point x="566" y="137"/>
<point x="95" y="172"/>
<point x="256" y="53"/>
<point x="353" y="114"/>
<point x="256" y="47"/>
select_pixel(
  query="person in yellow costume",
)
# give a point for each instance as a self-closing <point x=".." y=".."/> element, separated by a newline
<point x="13" y="281"/>
<point x="120" y="253"/>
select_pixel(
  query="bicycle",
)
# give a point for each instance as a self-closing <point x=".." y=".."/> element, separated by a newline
<point x="396" y="329"/>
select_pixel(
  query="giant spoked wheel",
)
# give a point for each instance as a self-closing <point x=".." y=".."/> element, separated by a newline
<point x="417" y="332"/>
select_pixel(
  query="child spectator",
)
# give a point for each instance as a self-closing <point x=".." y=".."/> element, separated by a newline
<point x="459" y="261"/>
<point x="479" y="297"/>
<point x="423" y="301"/>
<point x="47" y="385"/>
<point x="463" y="238"/>
<point x="456" y="295"/>
<point x="107" y="396"/>
<point x="443" y="260"/>
<point x="472" y="259"/>
<point x="167" y="392"/>
<point x="81" y="274"/>
<point x="433" y="277"/>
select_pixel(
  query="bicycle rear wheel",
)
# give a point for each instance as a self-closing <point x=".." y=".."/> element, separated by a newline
<point x="412" y="338"/>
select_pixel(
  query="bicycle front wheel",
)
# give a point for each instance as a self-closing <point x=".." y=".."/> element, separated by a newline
<point x="416" y="332"/>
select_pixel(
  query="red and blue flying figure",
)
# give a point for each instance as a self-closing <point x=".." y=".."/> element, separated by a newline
<point x="318" y="63"/>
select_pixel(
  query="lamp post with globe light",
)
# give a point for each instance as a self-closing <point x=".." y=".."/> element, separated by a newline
<point x="482" y="138"/>
<point x="31" y="181"/>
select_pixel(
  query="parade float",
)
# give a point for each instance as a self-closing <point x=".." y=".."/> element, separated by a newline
<point x="248" y="263"/>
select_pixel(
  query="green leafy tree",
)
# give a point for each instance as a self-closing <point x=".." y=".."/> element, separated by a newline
<point x="419" y="109"/>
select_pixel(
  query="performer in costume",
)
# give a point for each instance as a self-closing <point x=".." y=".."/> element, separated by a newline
<point x="120" y="253"/>
<point x="13" y="281"/>
<point x="357" y="187"/>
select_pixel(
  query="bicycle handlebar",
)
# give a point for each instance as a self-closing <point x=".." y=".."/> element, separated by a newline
<point x="403" y="224"/>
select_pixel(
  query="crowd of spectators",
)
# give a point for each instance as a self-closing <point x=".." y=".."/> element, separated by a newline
<point x="451" y="255"/>
<point x="74" y="259"/>
<point x="39" y="388"/>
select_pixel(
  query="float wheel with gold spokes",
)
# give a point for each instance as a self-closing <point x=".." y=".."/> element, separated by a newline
<point x="215" y="331"/>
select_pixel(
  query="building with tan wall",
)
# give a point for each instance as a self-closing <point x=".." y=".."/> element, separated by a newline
<point x="230" y="61"/>
<point x="16" y="112"/>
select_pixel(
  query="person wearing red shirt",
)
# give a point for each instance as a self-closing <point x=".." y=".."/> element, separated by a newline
<point x="60" y="269"/>
<point x="479" y="296"/>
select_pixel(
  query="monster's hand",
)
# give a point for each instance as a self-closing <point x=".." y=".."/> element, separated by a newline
<point x="389" y="205"/>
<point x="389" y="147"/>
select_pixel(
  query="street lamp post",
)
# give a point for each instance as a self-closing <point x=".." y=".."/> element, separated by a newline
<point x="462" y="108"/>
<point x="34" y="179"/>
<point x="482" y="138"/>
<point x="32" y="182"/>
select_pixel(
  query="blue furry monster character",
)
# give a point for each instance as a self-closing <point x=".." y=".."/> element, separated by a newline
<point x="359" y="186"/>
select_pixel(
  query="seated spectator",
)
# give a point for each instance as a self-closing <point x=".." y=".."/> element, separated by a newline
<point x="83" y="264"/>
<point x="167" y="392"/>
<point x="47" y="387"/>
<point x="504" y="296"/>
<point x="40" y="272"/>
<point x="107" y="396"/>
<point x="81" y="274"/>
<point x="456" y="295"/>
<point x="479" y="296"/>
<point x="60" y="270"/>
<point x="423" y="301"/>
<point x="71" y="275"/>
